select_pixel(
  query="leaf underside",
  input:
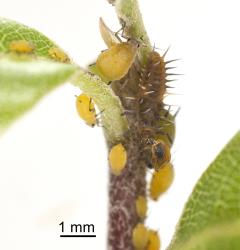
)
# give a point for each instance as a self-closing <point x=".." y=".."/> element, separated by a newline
<point x="211" y="218"/>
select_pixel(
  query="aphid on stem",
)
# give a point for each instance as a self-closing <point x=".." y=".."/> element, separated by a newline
<point x="117" y="158"/>
<point x="115" y="62"/>
<point x="86" y="110"/>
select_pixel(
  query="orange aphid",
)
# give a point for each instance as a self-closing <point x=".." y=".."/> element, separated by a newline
<point x="161" y="181"/>
<point x="21" y="46"/>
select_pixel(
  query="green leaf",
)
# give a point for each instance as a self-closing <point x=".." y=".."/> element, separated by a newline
<point x="11" y="31"/>
<point x="26" y="77"/>
<point x="211" y="218"/>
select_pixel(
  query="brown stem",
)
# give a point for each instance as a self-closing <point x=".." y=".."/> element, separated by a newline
<point x="123" y="192"/>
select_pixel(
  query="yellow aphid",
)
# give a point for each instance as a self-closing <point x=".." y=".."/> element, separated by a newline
<point x="94" y="69"/>
<point x="153" y="240"/>
<point x="115" y="62"/>
<point x="117" y="158"/>
<point x="140" y="237"/>
<point x="21" y="46"/>
<point x="108" y="36"/>
<point x="141" y="206"/>
<point x="58" y="55"/>
<point x="161" y="181"/>
<point x="160" y="154"/>
<point x="86" y="109"/>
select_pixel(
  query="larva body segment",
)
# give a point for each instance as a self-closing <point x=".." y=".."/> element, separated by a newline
<point x="167" y="124"/>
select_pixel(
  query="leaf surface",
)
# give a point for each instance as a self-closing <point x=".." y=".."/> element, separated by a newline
<point x="26" y="76"/>
<point x="211" y="218"/>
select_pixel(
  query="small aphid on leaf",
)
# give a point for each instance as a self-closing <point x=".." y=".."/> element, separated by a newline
<point x="161" y="181"/>
<point x="86" y="109"/>
<point x="140" y="237"/>
<point x="141" y="206"/>
<point x="115" y="62"/>
<point x="58" y="55"/>
<point x="117" y="158"/>
<point x="153" y="240"/>
<point x="160" y="154"/>
<point x="21" y="46"/>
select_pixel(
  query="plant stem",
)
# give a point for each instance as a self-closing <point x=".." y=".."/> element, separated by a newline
<point x="114" y="123"/>
<point x="131" y="19"/>
<point x="123" y="191"/>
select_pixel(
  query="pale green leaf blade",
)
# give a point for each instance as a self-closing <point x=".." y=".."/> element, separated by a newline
<point x="12" y="31"/>
<point x="26" y="77"/>
<point x="211" y="218"/>
<point x="24" y="82"/>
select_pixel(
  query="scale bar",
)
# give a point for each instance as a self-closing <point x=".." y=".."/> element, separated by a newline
<point x="77" y="235"/>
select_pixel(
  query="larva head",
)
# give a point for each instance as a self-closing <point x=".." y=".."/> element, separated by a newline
<point x="160" y="154"/>
<point x="161" y="181"/>
<point x="115" y="62"/>
<point x="58" y="55"/>
<point x="117" y="158"/>
<point x="141" y="206"/>
<point x="153" y="240"/>
<point x="86" y="109"/>
<point x="21" y="46"/>
<point x="108" y="36"/>
<point x="140" y="237"/>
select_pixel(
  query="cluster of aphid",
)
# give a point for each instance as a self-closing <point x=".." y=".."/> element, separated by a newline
<point x="24" y="47"/>
<point x="141" y="88"/>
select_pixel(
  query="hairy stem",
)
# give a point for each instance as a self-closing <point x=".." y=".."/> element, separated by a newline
<point x="114" y="123"/>
<point x="124" y="189"/>
<point x="130" y="17"/>
<point x="123" y="192"/>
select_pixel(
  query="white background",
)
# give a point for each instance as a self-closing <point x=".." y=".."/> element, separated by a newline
<point x="53" y="167"/>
